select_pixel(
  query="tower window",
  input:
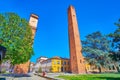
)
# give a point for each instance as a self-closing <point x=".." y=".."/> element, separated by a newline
<point x="73" y="14"/>
<point x="80" y="61"/>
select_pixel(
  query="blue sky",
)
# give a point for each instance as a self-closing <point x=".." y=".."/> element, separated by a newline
<point x="52" y="33"/>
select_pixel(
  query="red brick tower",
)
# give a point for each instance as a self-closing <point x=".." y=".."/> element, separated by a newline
<point x="76" y="59"/>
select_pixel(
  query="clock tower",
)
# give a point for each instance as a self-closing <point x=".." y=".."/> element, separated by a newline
<point x="33" y="24"/>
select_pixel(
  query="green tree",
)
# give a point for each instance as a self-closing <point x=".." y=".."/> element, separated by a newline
<point x="39" y="70"/>
<point x="16" y="37"/>
<point x="96" y="50"/>
<point x="115" y="37"/>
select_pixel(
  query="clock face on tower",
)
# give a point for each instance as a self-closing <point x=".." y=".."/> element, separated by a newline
<point x="33" y="22"/>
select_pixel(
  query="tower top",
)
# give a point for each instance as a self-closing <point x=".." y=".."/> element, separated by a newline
<point x="35" y="16"/>
<point x="71" y="10"/>
<point x="71" y="7"/>
<point x="33" y="21"/>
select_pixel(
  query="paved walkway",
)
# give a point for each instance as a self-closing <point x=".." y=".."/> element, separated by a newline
<point x="53" y="75"/>
<point x="31" y="77"/>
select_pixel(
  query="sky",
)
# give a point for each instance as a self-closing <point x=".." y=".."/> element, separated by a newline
<point x="51" y="37"/>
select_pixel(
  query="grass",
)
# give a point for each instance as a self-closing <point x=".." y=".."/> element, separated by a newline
<point x="105" y="76"/>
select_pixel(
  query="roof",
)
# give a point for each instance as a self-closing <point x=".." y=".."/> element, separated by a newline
<point x="35" y="16"/>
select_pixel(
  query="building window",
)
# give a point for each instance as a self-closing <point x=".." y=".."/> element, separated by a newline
<point x="64" y="62"/>
<point x="58" y="62"/>
<point x="74" y="15"/>
<point x="54" y="62"/>
<point x="68" y="63"/>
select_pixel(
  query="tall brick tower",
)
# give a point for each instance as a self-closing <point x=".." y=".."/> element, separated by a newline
<point x="24" y="68"/>
<point x="76" y="58"/>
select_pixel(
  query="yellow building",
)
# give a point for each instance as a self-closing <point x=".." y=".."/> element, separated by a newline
<point x="55" y="64"/>
<point x="87" y="66"/>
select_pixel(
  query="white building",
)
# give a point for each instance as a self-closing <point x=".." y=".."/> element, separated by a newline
<point x="5" y="66"/>
<point x="32" y="66"/>
<point x="38" y="63"/>
<point x="46" y="65"/>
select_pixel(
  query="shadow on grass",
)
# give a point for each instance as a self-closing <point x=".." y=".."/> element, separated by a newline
<point x="2" y="79"/>
<point x="108" y="78"/>
<point x="15" y="75"/>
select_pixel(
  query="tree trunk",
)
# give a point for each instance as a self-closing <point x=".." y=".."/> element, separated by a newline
<point x="116" y="67"/>
<point x="100" y="70"/>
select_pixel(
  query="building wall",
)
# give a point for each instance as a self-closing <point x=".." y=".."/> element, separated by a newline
<point x="5" y="66"/>
<point x="65" y="65"/>
<point x="22" y="68"/>
<point x="37" y="66"/>
<point x="38" y="63"/>
<point x="32" y="66"/>
<point x="56" y="65"/>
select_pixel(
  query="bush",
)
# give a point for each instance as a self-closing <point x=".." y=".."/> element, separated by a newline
<point x="3" y="70"/>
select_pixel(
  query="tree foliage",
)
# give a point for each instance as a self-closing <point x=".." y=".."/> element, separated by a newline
<point x="96" y="49"/>
<point x="16" y="37"/>
<point x="115" y="36"/>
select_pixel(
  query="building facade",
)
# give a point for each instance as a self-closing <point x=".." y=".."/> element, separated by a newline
<point x="56" y="64"/>
<point x="38" y="63"/>
<point x="65" y="65"/>
<point x="32" y="66"/>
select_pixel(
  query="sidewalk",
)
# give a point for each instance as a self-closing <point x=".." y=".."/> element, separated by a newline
<point x="30" y="77"/>
<point x="53" y="76"/>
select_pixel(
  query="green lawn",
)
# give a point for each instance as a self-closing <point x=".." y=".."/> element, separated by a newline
<point x="107" y="76"/>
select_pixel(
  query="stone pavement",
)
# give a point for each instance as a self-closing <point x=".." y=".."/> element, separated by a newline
<point x="54" y="75"/>
<point x="30" y="77"/>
